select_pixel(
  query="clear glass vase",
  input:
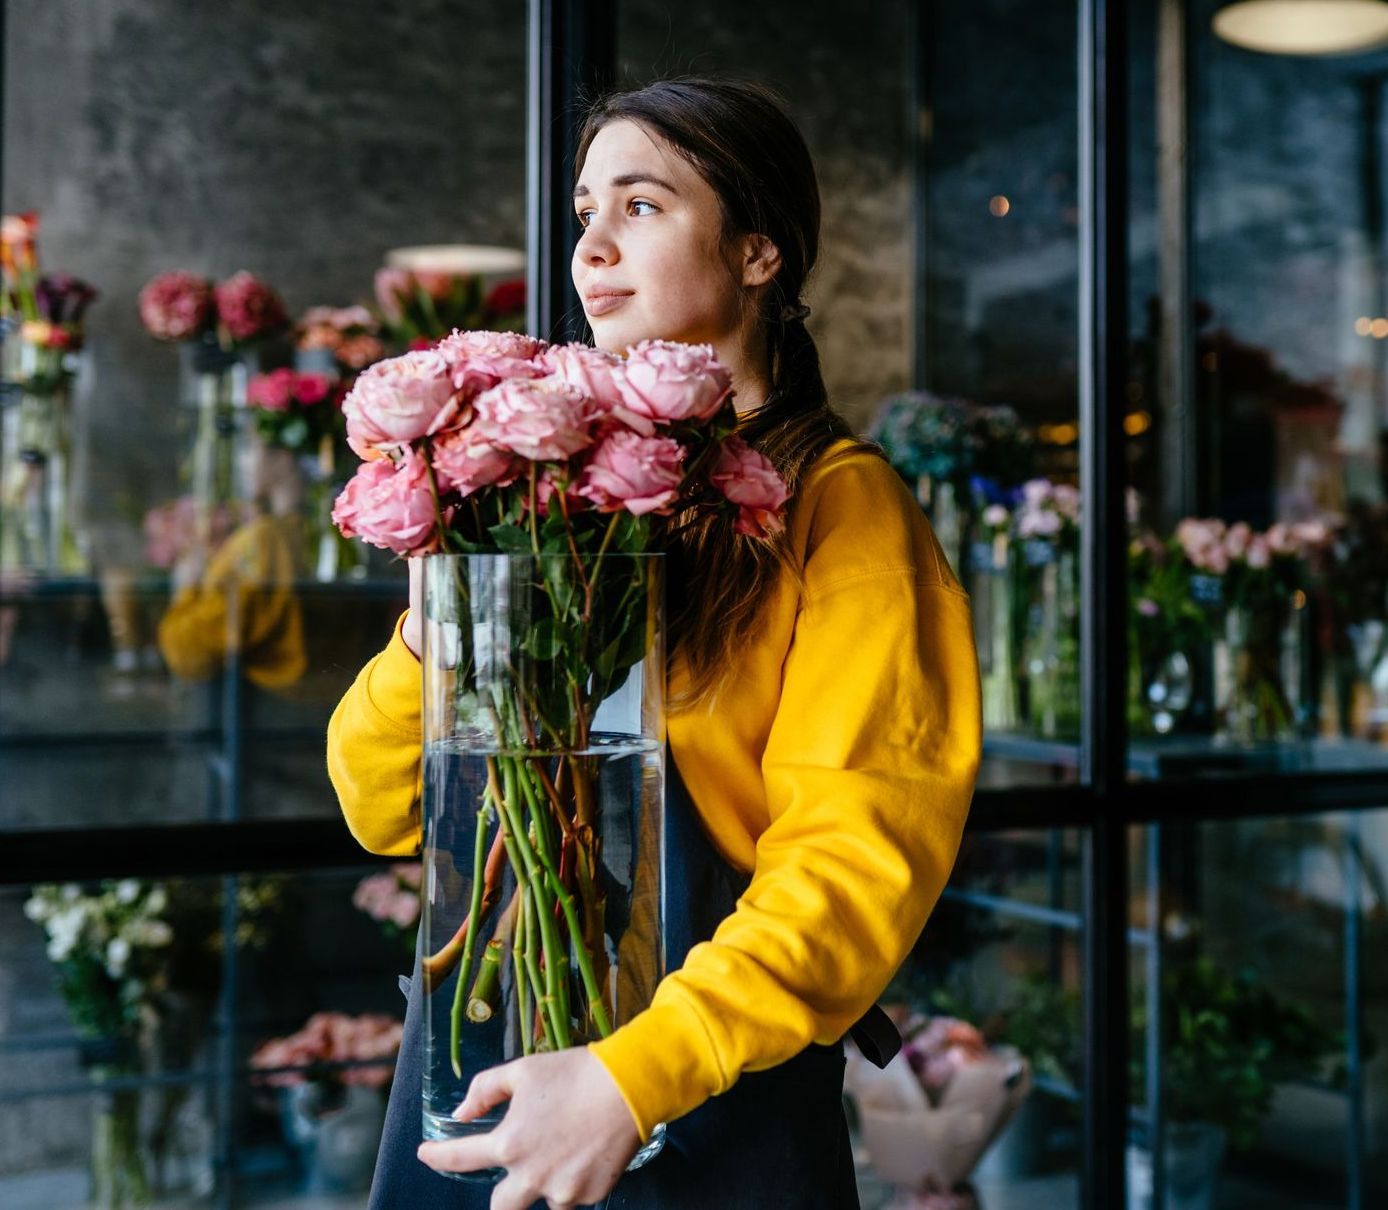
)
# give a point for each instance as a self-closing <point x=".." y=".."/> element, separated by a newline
<point x="543" y="811"/>
<point x="990" y="591"/>
<point x="1257" y="662"/>
<point x="40" y="530"/>
<point x="1051" y="645"/>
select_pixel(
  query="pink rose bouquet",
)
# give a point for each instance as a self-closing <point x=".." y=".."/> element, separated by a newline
<point x="494" y="443"/>
<point x="298" y="412"/>
<point x="351" y="334"/>
<point x="334" y="1048"/>
<point x="391" y="898"/>
<point x="177" y="306"/>
<point x="510" y="444"/>
<point x="417" y="306"/>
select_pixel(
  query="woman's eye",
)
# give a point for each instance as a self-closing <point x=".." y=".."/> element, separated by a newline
<point x="582" y="216"/>
<point x="651" y="205"/>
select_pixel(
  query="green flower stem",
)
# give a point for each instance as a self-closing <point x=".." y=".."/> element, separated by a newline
<point x="520" y="946"/>
<point x="474" y="920"/>
<point x="556" y="994"/>
<point x="439" y="965"/>
<point x="527" y="914"/>
<point x="566" y="903"/>
<point x="486" y="991"/>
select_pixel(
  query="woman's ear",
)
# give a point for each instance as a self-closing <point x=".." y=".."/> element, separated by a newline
<point x="761" y="260"/>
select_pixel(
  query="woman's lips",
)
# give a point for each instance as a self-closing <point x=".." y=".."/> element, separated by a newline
<point x="601" y="304"/>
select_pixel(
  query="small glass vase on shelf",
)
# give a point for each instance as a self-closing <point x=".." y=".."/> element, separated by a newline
<point x="1257" y="676"/>
<point x="543" y="807"/>
<point x="1051" y="646"/>
<point x="991" y="576"/>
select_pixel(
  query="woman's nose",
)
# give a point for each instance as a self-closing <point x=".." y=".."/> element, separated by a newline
<point x="596" y="248"/>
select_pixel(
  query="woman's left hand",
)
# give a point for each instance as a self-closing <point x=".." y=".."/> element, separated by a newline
<point x="566" y="1137"/>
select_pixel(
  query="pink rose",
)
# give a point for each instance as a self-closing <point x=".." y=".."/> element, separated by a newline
<point x="402" y="909"/>
<point x="592" y="371"/>
<point x="749" y="480"/>
<point x="465" y="461"/>
<point x="399" y="400"/>
<point x="176" y="306"/>
<point x="479" y="361"/>
<point x="664" y="382"/>
<point x="311" y="388"/>
<point x="514" y="345"/>
<point x="392" y="286"/>
<point x="248" y="308"/>
<point x="1237" y="538"/>
<point x="389" y="506"/>
<point x="639" y="474"/>
<point x="544" y="421"/>
<point x="1259" y="553"/>
<point x="273" y="391"/>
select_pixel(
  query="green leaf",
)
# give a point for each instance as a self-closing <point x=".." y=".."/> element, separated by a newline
<point x="543" y="640"/>
<point x="511" y="539"/>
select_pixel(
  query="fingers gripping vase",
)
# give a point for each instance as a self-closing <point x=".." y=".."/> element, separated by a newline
<point x="543" y="802"/>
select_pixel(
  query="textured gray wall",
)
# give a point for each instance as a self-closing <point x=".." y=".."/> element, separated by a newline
<point x="298" y="141"/>
<point x="847" y="82"/>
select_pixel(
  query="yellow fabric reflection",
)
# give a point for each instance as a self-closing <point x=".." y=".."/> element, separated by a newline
<point x="245" y="604"/>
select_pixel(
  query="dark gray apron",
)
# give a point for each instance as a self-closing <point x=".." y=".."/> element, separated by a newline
<point x="777" y="1138"/>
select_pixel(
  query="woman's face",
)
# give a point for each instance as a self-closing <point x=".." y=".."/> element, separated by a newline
<point x="650" y="262"/>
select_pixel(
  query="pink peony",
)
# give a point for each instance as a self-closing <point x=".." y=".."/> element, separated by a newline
<point x="465" y="462"/>
<point x="358" y="352"/>
<point x="1259" y="553"/>
<point x="663" y="382"/>
<point x="273" y="392"/>
<point x="1237" y="538"/>
<point x="479" y="361"/>
<point x="592" y="371"/>
<point x="390" y="506"/>
<point x="749" y="480"/>
<point x="544" y="421"/>
<point x="398" y="401"/>
<point x="176" y="306"/>
<point x="513" y="345"/>
<point x="248" y="308"/>
<point x="639" y="474"/>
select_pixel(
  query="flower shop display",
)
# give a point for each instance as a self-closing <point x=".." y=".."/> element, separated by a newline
<point x="539" y="479"/>
<point x="391" y="898"/>
<point x="300" y="414"/>
<point x="341" y="341"/>
<point x="41" y="339"/>
<point x="1046" y="527"/>
<point x="1253" y="585"/>
<point x="221" y="329"/>
<point x="957" y="456"/>
<point x="1169" y="632"/>
<point x="330" y="1077"/>
<point x="129" y="956"/>
<point x="989" y="575"/>
<point x="1226" y="1040"/>
<point x="927" y="1118"/>
<point x="423" y="293"/>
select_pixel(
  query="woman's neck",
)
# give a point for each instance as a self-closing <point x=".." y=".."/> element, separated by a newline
<point x="746" y="359"/>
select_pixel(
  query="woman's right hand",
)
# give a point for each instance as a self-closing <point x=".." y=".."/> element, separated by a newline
<point x="412" y="631"/>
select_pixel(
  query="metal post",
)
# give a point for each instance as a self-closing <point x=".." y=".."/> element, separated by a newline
<point x="1181" y="448"/>
<point x="1354" y="1016"/>
<point x="571" y="60"/>
<point x="1103" y="342"/>
<point x="1152" y="1043"/>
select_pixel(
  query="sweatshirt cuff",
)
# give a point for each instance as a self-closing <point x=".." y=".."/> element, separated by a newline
<point x="663" y="1063"/>
<point x="395" y="683"/>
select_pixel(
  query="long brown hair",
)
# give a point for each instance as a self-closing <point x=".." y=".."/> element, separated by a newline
<point x="740" y="139"/>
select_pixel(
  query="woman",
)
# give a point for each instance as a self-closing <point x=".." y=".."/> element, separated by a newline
<point x="824" y="722"/>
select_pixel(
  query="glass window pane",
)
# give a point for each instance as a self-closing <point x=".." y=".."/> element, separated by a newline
<point x="133" y="1074"/>
<point x="1258" y="568"/>
<point x="1264" y="1068"/>
<point x="945" y="304"/>
<point x="990" y="998"/>
<point x="171" y="591"/>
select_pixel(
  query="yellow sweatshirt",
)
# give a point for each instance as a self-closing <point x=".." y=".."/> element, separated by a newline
<point x="245" y="602"/>
<point x="836" y="768"/>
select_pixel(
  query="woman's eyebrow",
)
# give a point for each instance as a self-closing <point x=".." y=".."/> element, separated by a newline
<point x="632" y="178"/>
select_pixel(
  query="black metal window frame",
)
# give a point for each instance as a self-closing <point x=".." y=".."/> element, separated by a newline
<point x="572" y="55"/>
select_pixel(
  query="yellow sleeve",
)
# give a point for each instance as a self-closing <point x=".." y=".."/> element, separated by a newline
<point x="246" y="603"/>
<point x="374" y="752"/>
<point x="869" y="770"/>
